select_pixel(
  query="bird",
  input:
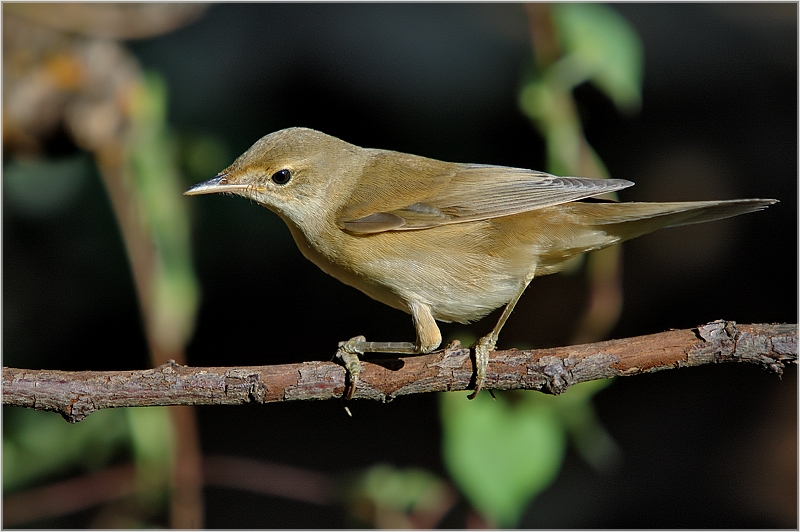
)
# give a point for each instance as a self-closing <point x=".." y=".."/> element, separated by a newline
<point x="441" y="241"/>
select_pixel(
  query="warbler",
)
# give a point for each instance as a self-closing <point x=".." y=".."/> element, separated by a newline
<point x="439" y="240"/>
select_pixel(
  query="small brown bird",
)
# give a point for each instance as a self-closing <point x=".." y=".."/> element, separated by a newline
<point x="441" y="241"/>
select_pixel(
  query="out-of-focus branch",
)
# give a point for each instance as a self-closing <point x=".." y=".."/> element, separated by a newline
<point x="65" y="68"/>
<point x="117" y="482"/>
<point x="77" y="394"/>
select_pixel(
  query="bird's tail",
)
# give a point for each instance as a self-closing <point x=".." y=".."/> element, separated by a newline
<point x="629" y="220"/>
<point x="578" y="227"/>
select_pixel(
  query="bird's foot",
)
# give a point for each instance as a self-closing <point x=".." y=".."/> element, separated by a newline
<point x="348" y="355"/>
<point x="482" y="348"/>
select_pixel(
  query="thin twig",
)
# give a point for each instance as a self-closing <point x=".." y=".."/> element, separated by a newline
<point x="69" y="496"/>
<point x="77" y="394"/>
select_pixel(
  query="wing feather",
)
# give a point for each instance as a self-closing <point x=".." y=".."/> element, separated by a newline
<point x="447" y="193"/>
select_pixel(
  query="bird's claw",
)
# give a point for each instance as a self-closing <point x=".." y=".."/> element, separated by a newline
<point x="348" y="355"/>
<point x="481" y="348"/>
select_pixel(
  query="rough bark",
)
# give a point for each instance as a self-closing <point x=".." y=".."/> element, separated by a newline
<point x="77" y="394"/>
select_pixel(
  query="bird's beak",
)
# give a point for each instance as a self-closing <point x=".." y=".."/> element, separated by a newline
<point x="214" y="185"/>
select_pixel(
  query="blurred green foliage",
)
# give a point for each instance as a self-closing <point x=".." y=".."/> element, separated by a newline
<point x="597" y="46"/>
<point x="156" y="189"/>
<point x="40" y="445"/>
<point x="384" y="496"/>
<point x="600" y="46"/>
<point x="152" y="441"/>
<point x="502" y="453"/>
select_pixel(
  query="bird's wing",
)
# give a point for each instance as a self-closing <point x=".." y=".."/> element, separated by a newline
<point x="456" y="193"/>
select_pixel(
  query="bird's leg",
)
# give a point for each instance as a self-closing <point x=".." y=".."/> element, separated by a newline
<point x="428" y="339"/>
<point x="486" y="344"/>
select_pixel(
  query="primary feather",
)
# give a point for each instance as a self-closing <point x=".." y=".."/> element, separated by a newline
<point x="431" y="193"/>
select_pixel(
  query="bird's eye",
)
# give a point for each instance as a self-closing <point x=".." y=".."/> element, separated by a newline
<point x="281" y="177"/>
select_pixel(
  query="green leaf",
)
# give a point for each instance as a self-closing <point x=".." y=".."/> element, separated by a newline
<point x="602" y="45"/>
<point x="400" y="489"/>
<point x="385" y="496"/>
<point x="501" y="453"/>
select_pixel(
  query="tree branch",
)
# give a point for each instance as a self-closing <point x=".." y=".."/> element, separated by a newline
<point x="77" y="394"/>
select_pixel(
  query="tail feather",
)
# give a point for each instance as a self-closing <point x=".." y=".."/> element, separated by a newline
<point x="578" y="227"/>
<point x="636" y="219"/>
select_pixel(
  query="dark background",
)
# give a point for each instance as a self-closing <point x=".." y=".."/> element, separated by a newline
<point x="707" y="447"/>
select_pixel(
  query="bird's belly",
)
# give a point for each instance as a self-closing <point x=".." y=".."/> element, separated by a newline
<point x="450" y="296"/>
<point x="451" y="292"/>
<point x="460" y="283"/>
